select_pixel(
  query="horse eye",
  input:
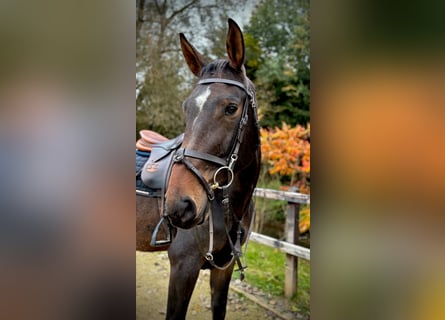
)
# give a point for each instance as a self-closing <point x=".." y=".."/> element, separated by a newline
<point x="230" y="110"/>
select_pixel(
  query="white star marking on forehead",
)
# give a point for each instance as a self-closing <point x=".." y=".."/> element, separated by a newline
<point x="202" y="98"/>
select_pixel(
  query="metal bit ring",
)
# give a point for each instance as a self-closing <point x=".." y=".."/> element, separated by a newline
<point x="216" y="184"/>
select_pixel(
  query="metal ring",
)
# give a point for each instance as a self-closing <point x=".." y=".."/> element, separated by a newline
<point x="216" y="184"/>
<point x="209" y="256"/>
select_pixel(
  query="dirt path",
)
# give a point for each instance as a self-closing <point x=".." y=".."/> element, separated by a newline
<point x="152" y="272"/>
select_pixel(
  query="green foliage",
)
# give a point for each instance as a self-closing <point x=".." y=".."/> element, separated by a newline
<point x="158" y="103"/>
<point x="253" y="55"/>
<point x="278" y="60"/>
<point x="266" y="272"/>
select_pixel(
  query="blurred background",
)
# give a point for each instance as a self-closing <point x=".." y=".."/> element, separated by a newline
<point x="377" y="111"/>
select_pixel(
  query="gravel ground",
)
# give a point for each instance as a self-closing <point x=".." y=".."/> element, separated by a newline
<point x="245" y="302"/>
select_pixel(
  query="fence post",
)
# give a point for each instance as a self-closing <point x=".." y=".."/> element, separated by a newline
<point x="292" y="236"/>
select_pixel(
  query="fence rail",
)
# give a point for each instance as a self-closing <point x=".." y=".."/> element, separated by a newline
<point x="295" y="250"/>
<point x="288" y="196"/>
<point x="290" y="246"/>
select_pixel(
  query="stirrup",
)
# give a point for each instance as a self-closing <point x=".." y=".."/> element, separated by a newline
<point x="158" y="243"/>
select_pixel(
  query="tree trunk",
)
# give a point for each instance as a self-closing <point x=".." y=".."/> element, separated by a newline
<point x="139" y="16"/>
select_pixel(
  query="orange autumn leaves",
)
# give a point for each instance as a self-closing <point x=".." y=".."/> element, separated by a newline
<point x="286" y="151"/>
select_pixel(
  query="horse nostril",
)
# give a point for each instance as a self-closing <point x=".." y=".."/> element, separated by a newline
<point x="182" y="212"/>
<point x="182" y="208"/>
<point x="188" y="206"/>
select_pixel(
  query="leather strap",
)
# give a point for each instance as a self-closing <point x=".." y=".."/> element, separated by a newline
<point x="236" y="248"/>
<point x="192" y="168"/>
<point x="204" y="156"/>
<point x="221" y="80"/>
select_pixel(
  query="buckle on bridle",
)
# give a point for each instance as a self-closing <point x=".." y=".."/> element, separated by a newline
<point x="233" y="159"/>
<point x="179" y="155"/>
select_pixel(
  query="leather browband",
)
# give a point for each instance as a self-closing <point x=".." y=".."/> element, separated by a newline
<point x="221" y="80"/>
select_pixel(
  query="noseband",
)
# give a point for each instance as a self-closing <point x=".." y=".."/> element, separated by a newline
<point x="226" y="164"/>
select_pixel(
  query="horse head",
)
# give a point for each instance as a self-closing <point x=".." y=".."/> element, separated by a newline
<point x="220" y="152"/>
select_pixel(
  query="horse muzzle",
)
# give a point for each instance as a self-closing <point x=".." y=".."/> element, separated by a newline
<point x="183" y="213"/>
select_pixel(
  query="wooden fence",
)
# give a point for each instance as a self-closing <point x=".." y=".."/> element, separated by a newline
<point x="290" y="246"/>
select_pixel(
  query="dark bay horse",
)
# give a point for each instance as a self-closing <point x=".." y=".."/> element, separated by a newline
<point x="208" y="199"/>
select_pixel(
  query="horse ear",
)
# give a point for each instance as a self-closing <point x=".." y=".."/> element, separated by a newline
<point x="194" y="59"/>
<point x="235" y="45"/>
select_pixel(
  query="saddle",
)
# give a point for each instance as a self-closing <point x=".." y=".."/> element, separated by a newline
<point x="148" y="139"/>
<point x="156" y="171"/>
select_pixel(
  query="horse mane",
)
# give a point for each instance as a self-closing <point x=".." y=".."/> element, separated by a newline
<point x="219" y="69"/>
<point x="215" y="68"/>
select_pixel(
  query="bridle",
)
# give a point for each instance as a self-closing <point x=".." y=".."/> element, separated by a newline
<point x="182" y="155"/>
<point x="228" y="163"/>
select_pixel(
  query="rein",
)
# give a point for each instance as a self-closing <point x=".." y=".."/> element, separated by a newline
<point x="236" y="248"/>
<point x="226" y="164"/>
